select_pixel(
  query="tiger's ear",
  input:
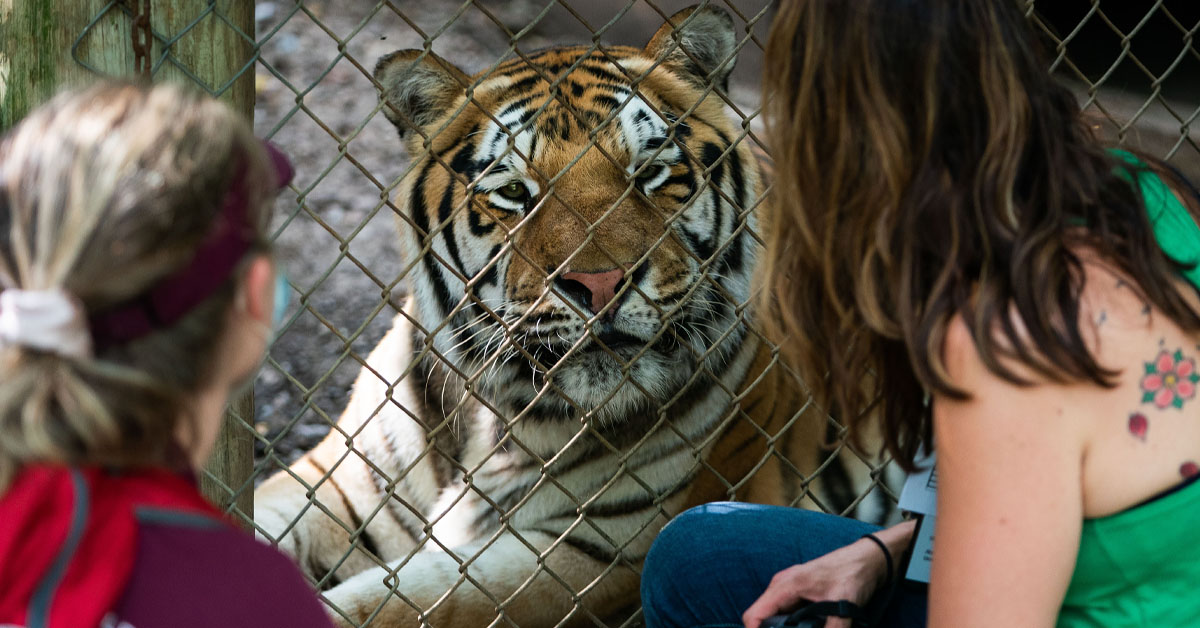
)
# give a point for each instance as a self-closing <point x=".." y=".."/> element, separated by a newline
<point x="704" y="47"/>
<point x="417" y="87"/>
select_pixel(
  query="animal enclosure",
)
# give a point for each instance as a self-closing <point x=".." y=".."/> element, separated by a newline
<point x="545" y="375"/>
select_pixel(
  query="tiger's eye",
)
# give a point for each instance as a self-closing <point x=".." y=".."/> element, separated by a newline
<point x="514" y="191"/>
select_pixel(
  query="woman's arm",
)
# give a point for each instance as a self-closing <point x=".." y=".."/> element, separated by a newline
<point x="853" y="572"/>
<point x="1009" y="496"/>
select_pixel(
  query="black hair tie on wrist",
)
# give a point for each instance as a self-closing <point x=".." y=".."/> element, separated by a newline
<point x="887" y="555"/>
<point x="889" y="584"/>
<point x="866" y="616"/>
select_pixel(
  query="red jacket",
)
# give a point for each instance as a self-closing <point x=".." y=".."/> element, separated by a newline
<point x="82" y="547"/>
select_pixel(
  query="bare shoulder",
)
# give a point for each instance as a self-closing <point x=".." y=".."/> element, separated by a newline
<point x="1129" y="440"/>
<point x="1143" y="432"/>
<point x="996" y="408"/>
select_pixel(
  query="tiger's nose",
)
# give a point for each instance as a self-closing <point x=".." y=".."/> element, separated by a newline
<point x="595" y="289"/>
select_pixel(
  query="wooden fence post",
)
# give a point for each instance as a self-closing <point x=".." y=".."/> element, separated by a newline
<point x="46" y="45"/>
<point x="36" y="39"/>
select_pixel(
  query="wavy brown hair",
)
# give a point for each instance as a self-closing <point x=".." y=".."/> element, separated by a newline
<point x="928" y="166"/>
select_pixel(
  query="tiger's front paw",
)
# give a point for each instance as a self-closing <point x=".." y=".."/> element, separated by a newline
<point x="339" y="620"/>
<point x="361" y="602"/>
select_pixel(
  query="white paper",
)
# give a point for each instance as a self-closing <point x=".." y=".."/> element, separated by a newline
<point x="922" y="552"/>
<point x="919" y="494"/>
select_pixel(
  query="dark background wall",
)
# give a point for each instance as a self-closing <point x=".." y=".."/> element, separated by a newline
<point x="1158" y="42"/>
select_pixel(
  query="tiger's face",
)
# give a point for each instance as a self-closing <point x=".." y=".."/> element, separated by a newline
<point x="579" y="222"/>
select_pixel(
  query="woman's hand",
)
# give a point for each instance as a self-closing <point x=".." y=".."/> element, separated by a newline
<point x="851" y="573"/>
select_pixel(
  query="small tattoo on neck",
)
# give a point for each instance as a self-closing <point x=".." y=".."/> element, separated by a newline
<point x="1102" y="317"/>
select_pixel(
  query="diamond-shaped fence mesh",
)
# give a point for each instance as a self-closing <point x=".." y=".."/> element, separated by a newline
<point x="551" y="332"/>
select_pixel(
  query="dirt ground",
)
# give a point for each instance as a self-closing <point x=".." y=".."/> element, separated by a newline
<point x="336" y="237"/>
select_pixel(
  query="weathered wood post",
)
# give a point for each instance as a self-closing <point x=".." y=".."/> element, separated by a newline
<point x="47" y="45"/>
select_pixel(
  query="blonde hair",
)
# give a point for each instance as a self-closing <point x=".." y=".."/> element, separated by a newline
<point x="103" y="193"/>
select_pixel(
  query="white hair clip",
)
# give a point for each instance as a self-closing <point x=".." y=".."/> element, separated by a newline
<point x="45" y="320"/>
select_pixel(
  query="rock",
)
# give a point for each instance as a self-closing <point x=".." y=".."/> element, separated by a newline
<point x="264" y="12"/>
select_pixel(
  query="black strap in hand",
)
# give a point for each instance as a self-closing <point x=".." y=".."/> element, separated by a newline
<point x="813" y="614"/>
<point x="840" y="608"/>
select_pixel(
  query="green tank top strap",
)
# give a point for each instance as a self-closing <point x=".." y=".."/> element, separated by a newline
<point x="1174" y="227"/>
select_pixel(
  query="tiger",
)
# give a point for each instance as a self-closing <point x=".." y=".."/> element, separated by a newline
<point x="575" y="362"/>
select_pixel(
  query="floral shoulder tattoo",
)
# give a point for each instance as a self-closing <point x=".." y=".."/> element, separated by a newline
<point x="1169" y="381"/>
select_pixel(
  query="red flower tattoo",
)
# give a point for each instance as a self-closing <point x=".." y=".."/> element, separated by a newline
<point x="1170" y="380"/>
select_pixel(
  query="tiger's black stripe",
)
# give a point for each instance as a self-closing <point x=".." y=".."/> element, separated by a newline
<point x="636" y="504"/>
<point x="416" y="533"/>
<point x="421" y="218"/>
<point x="591" y="550"/>
<point x="363" y="534"/>
<point x="461" y="163"/>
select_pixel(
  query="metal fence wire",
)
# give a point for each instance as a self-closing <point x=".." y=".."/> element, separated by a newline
<point x="551" y="336"/>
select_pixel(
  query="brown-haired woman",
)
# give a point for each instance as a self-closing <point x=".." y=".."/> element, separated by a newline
<point x="136" y="293"/>
<point x="954" y="254"/>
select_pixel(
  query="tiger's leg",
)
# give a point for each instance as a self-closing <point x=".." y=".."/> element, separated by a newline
<point x="808" y="467"/>
<point x="345" y="508"/>
<point x="310" y="517"/>
<point x="773" y="443"/>
<point x="516" y="577"/>
<point x="782" y="449"/>
<point x="511" y="545"/>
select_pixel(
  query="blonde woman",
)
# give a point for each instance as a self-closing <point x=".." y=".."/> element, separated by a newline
<point x="137" y="295"/>
<point x="954" y="254"/>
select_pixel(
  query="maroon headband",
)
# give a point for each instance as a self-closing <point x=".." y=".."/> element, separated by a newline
<point x="172" y="297"/>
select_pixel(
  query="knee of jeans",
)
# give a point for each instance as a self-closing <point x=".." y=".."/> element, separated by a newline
<point x="695" y="526"/>
<point x="679" y="547"/>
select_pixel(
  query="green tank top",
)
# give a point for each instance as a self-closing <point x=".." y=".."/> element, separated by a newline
<point x="1141" y="567"/>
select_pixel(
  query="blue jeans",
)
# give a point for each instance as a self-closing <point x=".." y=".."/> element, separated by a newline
<point x="710" y="563"/>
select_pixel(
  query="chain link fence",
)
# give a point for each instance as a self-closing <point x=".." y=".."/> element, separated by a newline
<point x="507" y="459"/>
